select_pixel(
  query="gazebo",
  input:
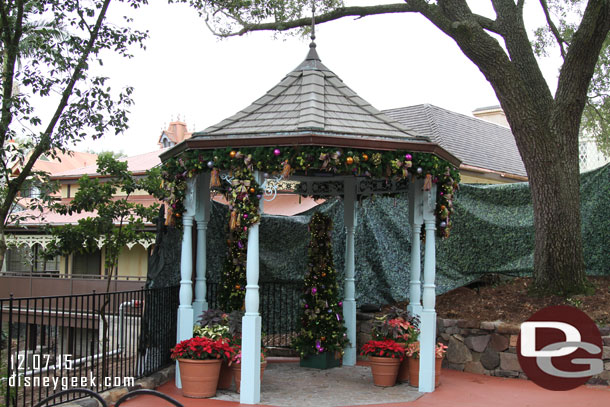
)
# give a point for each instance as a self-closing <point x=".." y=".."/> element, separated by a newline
<point x="314" y="130"/>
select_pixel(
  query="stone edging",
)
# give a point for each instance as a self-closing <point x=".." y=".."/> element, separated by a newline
<point x="487" y="348"/>
<point x="111" y="396"/>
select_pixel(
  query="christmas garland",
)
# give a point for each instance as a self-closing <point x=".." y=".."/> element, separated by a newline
<point x="322" y="327"/>
<point x="304" y="160"/>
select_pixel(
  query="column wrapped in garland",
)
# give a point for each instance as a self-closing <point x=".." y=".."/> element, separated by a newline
<point x="322" y="337"/>
<point x="243" y="196"/>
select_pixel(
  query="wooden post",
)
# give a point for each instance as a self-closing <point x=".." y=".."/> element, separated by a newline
<point x="185" y="309"/>
<point x="349" y="302"/>
<point x="416" y="219"/>
<point x="202" y="216"/>
<point x="427" y="338"/>
<point x="250" y="392"/>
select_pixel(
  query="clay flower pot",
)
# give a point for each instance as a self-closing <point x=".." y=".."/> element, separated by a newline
<point x="385" y="370"/>
<point x="403" y="371"/>
<point x="414" y="371"/>
<point x="199" y="377"/>
<point x="225" y="379"/>
<point x="236" y="368"/>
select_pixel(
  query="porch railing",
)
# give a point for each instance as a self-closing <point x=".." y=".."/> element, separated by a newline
<point x="96" y="341"/>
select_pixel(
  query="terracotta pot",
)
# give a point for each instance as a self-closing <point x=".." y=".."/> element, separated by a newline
<point x="225" y="379"/>
<point x="236" y="368"/>
<point x="403" y="371"/>
<point x="414" y="371"/>
<point x="385" y="370"/>
<point x="199" y="377"/>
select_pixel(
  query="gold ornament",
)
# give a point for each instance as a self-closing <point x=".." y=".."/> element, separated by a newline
<point x="365" y="157"/>
<point x="349" y="160"/>
<point x="233" y="153"/>
<point x="252" y="190"/>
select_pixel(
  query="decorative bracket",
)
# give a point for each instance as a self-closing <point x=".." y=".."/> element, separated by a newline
<point x="270" y="187"/>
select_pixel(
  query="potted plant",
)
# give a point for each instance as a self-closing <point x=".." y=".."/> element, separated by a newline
<point x="216" y="324"/>
<point x="398" y="325"/>
<point x="322" y="337"/>
<point x="412" y="352"/>
<point x="236" y="366"/>
<point x="199" y="360"/>
<point x="385" y="357"/>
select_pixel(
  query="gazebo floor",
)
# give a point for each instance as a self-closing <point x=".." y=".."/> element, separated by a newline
<point x="288" y="385"/>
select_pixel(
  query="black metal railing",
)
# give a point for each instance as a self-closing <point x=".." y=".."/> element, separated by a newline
<point x="95" y="341"/>
<point x="279" y="309"/>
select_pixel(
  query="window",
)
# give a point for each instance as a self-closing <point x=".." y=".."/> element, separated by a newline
<point x="87" y="263"/>
<point x="26" y="259"/>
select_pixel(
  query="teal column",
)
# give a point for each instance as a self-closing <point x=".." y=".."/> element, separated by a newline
<point x="202" y="216"/>
<point x="185" y="309"/>
<point x="250" y="392"/>
<point x="428" y="315"/>
<point x="349" y="301"/>
<point x="416" y="220"/>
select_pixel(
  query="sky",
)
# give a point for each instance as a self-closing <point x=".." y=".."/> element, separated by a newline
<point x="187" y="73"/>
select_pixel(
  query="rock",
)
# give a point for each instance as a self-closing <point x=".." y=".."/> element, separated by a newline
<point x="607" y="366"/>
<point x="147" y="383"/>
<point x="453" y="366"/>
<point x="370" y="308"/>
<point x="113" y="395"/>
<point x="490" y="359"/>
<point x="362" y="339"/>
<point x="459" y="337"/>
<point x="523" y="376"/>
<point x="498" y="342"/>
<point x="452" y="330"/>
<point x="513" y="340"/>
<point x="458" y="352"/>
<point x="506" y="373"/>
<point x="476" y="356"/>
<point x="439" y="323"/>
<point x="606" y="353"/>
<point x="606" y="340"/>
<point x="509" y="361"/>
<point x="512" y="329"/>
<point x="474" y="367"/>
<point x="449" y="322"/>
<point x="465" y="332"/>
<point x="464" y="323"/>
<point x="488" y="326"/>
<point x="477" y="343"/>
<point x="604" y="330"/>
<point x="445" y="336"/>
<point x="363" y="316"/>
<point x="366" y="326"/>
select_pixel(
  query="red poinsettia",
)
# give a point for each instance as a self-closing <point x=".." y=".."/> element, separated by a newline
<point x="387" y="348"/>
<point x="202" y="348"/>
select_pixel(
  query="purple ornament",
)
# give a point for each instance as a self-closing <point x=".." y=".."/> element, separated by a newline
<point x="408" y="157"/>
<point x="442" y="193"/>
<point x="245" y="216"/>
<point x="314" y="290"/>
<point x="340" y="303"/>
<point x="245" y="228"/>
<point x="259" y="196"/>
<point x="443" y="224"/>
<point x="338" y="317"/>
<point x="276" y="152"/>
<point x="306" y="306"/>
<point x="240" y="244"/>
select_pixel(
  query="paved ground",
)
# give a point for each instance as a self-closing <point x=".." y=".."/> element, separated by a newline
<point x="286" y="385"/>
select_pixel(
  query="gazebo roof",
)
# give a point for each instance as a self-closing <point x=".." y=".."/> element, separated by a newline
<point x="311" y="106"/>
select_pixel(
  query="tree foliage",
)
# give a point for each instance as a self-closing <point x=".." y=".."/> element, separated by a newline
<point x="112" y="218"/>
<point x="545" y="125"/>
<point x="50" y="97"/>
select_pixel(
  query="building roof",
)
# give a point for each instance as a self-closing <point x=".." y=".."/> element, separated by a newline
<point x="176" y="132"/>
<point x="61" y="161"/>
<point x="477" y="143"/>
<point x="310" y="106"/>
<point x="137" y="164"/>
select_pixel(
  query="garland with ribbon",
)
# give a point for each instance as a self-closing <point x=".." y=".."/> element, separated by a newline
<point x="311" y="160"/>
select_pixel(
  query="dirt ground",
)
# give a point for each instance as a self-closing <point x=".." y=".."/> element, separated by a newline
<point x="510" y="301"/>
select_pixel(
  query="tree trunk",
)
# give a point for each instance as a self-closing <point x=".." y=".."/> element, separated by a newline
<point x="555" y="188"/>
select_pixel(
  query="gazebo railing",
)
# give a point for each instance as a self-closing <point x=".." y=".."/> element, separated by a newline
<point x="279" y="309"/>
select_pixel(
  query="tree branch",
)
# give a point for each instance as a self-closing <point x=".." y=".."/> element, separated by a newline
<point x="45" y="139"/>
<point x="553" y="27"/>
<point x="323" y="18"/>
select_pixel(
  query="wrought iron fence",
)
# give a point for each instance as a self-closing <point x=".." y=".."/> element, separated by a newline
<point x="94" y="341"/>
<point x="279" y="309"/>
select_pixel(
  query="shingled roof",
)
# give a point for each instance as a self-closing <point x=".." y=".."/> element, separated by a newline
<point x="311" y="106"/>
<point x="475" y="142"/>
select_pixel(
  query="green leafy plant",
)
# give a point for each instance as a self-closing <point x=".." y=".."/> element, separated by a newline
<point x="396" y="324"/>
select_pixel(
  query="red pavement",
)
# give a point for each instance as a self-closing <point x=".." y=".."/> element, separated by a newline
<point x="457" y="389"/>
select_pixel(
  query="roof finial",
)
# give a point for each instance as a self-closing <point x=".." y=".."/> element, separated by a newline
<point x="313" y="55"/>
